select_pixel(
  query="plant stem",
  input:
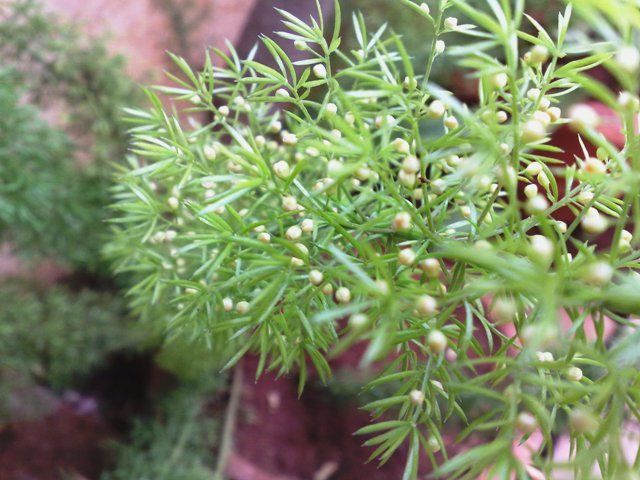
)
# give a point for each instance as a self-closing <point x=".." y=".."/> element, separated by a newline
<point x="229" y="423"/>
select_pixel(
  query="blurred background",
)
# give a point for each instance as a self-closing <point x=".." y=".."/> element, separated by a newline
<point x="87" y="390"/>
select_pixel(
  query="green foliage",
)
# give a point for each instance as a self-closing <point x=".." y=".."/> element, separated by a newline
<point x="175" y="444"/>
<point x="55" y="185"/>
<point x="46" y="202"/>
<point x="56" y="335"/>
<point x="375" y="195"/>
<point x="60" y="67"/>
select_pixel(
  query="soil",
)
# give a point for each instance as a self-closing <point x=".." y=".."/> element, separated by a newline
<point x="67" y="440"/>
<point x="282" y="437"/>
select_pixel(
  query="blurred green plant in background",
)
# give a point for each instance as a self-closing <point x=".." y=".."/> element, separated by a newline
<point x="52" y="199"/>
<point x="177" y="442"/>
<point x="56" y="336"/>
<point x="61" y="100"/>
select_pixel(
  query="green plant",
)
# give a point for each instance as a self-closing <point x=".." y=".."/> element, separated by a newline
<point x="55" y="336"/>
<point x="174" y="444"/>
<point x="390" y="212"/>
<point x="45" y="203"/>
<point x="52" y="196"/>
<point x="60" y="67"/>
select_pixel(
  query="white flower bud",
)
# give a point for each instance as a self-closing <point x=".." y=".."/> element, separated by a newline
<point x="406" y="179"/>
<point x="406" y="257"/>
<point x="410" y="83"/>
<point x="599" y="274"/>
<point x="343" y="295"/>
<point x="499" y="80"/>
<point x="533" y="94"/>
<point x="302" y="249"/>
<point x="544" y="104"/>
<point x="310" y="151"/>
<point x="543" y="180"/>
<point x="327" y="289"/>
<point x="227" y="304"/>
<point x="401" y="145"/>
<point x="585" y="197"/>
<point x="574" y="374"/>
<point x="465" y="211"/>
<point x="260" y="141"/>
<point x="533" y="131"/>
<point x="307" y="225"/>
<point x="296" y="262"/>
<point x="545" y="357"/>
<point x="451" y="355"/>
<point x="331" y="109"/>
<point x="319" y="70"/>
<point x="594" y="166"/>
<point x="593" y="222"/>
<point x="504" y="310"/>
<point x="436" y="109"/>
<point x="264" y="237"/>
<point x="436" y="341"/>
<point x="411" y="164"/>
<point x="281" y="169"/>
<point x="628" y="100"/>
<point x="583" y="421"/>
<point x="537" y="203"/>
<point x="358" y="321"/>
<point x="537" y="55"/>
<point x="402" y="221"/>
<point x="526" y="423"/>
<point x="628" y="58"/>
<point x="531" y="190"/>
<point x="542" y="248"/>
<point x="300" y="45"/>
<point x="209" y="152"/>
<point x="224" y="111"/>
<point x="440" y="46"/>
<point x="173" y="202"/>
<point x="433" y="444"/>
<point x="582" y="116"/>
<point x="293" y="233"/>
<point x="438" y="186"/>
<point x="289" y="138"/>
<point x="554" y="114"/>
<point x="562" y="226"/>
<point x="281" y="92"/>
<point x="316" y="277"/>
<point x="426" y="305"/>
<point x="350" y="118"/>
<point x="451" y="123"/>
<point x="275" y="126"/>
<point x="543" y="117"/>
<point x="416" y="397"/>
<point x="425" y="8"/>
<point x="450" y="23"/>
<point x="430" y="266"/>
<point x="382" y="287"/>
<point x="533" y="169"/>
<point x="362" y="174"/>
<point x="289" y="204"/>
<point x="501" y="116"/>
<point x="507" y="175"/>
<point x="242" y="307"/>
